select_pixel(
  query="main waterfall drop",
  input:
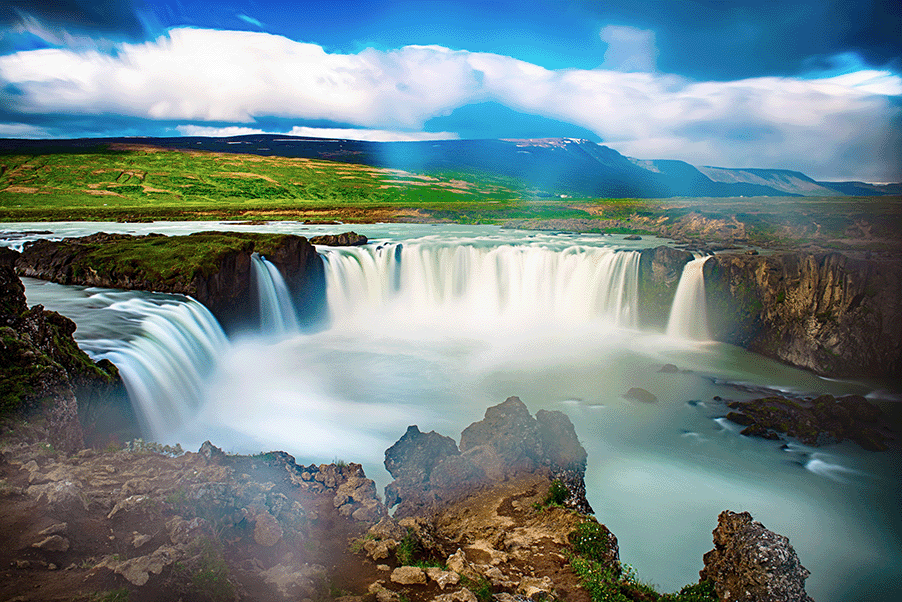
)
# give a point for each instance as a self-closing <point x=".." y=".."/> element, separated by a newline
<point x="689" y="312"/>
<point x="432" y="285"/>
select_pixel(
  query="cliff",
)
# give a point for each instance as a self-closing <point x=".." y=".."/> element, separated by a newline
<point x="212" y="267"/>
<point x="43" y="369"/>
<point x="828" y="313"/>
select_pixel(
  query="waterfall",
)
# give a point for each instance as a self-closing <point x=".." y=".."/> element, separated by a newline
<point x="688" y="314"/>
<point x="431" y="284"/>
<point x="277" y="313"/>
<point x="165" y="366"/>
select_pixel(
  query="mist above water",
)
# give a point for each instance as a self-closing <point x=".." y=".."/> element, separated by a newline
<point x="431" y="330"/>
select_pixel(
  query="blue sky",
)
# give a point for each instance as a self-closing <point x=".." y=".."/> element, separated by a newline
<point x="814" y="86"/>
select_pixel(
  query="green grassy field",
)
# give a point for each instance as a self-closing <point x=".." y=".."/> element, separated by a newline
<point x="135" y="183"/>
<point x="149" y="183"/>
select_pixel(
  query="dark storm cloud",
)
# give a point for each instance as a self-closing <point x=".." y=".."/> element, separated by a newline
<point x="730" y="40"/>
<point x="84" y="16"/>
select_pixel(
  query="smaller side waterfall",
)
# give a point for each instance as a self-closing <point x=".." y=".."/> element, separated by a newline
<point x="164" y="367"/>
<point x="689" y="314"/>
<point x="277" y="313"/>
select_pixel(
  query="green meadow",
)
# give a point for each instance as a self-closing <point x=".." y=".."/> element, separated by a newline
<point x="130" y="182"/>
<point x="136" y="183"/>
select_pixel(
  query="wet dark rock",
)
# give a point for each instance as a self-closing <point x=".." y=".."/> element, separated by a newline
<point x="640" y="394"/>
<point x="632" y="237"/>
<point x="752" y="564"/>
<point x="42" y="367"/>
<point x="820" y="421"/>
<point x="669" y="369"/>
<point x="345" y="239"/>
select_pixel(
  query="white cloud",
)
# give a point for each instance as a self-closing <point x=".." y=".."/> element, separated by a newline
<point x="314" y="132"/>
<point x="629" y="48"/>
<point x="216" y="132"/>
<point x="370" y="135"/>
<point x="840" y="124"/>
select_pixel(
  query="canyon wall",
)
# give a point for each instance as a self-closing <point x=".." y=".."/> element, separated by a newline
<point x="829" y="313"/>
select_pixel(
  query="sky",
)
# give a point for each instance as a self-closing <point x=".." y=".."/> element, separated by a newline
<point x="810" y="85"/>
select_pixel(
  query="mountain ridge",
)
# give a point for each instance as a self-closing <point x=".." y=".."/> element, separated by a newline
<point x="544" y="166"/>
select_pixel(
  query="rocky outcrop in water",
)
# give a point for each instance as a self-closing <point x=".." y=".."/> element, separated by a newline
<point x="829" y="313"/>
<point x="429" y="469"/>
<point x="212" y="267"/>
<point x="821" y="421"/>
<point x="749" y="563"/>
<point x="42" y="370"/>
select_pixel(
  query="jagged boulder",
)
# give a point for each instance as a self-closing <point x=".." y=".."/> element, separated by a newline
<point x="429" y="469"/>
<point x="753" y="564"/>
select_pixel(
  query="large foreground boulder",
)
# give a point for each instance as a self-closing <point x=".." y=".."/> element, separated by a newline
<point x="749" y="563"/>
<point x="430" y="470"/>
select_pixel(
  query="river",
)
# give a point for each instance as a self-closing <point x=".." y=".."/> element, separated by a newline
<point x="431" y="324"/>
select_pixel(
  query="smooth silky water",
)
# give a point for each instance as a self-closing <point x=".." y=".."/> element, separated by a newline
<point x="429" y="325"/>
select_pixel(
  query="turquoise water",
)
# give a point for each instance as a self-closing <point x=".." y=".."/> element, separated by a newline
<point x="448" y="333"/>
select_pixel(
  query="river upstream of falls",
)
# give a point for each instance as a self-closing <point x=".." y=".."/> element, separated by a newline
<point x="429" y="325"/>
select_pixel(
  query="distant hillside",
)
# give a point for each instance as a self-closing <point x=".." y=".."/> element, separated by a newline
<point x="863" y="188"/>
<point x="789" y="182"/>
<point x="545" y="167"/>
<point x="687" y="180"/>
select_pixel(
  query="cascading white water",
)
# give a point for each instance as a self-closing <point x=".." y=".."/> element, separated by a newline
<point x="164" y="368"/>
<point x="298" y="394"/>
<point x="425" y="284"/>
<point x="277" y="312"/>
<point x="689" y="314"/>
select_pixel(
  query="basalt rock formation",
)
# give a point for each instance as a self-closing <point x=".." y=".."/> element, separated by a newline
<point x="42" y="368"/>
<point x="752" y="564"/>
<point x="828" y="313"/>
<point x="429" y="469"/>
<point x="212" y="267"/>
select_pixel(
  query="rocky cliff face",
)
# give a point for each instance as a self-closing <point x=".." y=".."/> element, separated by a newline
<point x="42" y="368"/>
<point x="827" y="312"/>
<point x="212" y="267"/>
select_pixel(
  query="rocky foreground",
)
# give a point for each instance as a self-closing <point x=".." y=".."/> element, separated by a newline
<point x="151" y="523"/>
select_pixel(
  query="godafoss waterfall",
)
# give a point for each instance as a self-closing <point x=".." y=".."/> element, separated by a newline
<point x="429" y="325"/>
